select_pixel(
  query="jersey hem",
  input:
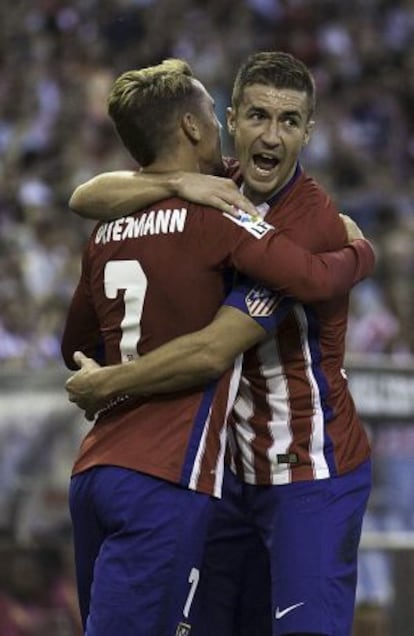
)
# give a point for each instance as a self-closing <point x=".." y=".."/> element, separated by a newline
<point x="287" y="478"/>
<point x="201" y="487"/>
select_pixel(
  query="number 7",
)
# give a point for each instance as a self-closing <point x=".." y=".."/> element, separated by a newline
<point x="130" y="276"/>
<point x="193" y="578"/>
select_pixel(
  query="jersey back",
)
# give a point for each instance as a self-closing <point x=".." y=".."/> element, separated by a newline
<point x="146" y="279"/>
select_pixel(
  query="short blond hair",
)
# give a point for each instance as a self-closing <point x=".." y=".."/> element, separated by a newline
<point x="145" y="104"/>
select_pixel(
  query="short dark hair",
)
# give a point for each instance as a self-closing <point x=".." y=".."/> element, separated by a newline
<point x="274" y="68"/>
<point x="145" y="104"/>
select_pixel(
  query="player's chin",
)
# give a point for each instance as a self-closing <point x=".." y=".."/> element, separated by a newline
<point x="262" y="185"/>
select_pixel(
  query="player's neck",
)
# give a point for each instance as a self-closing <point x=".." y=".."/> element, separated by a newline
<point x="183" y="162"/>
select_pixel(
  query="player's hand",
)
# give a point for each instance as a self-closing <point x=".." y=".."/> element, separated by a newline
<point x="83" y="386"/>
<point x="352" y="229"/>
<point x="216" y="192"/>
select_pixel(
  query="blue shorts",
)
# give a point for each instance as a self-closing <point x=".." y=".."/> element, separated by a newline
<point x="138" y="544"/>
<point x="283" y="559"/>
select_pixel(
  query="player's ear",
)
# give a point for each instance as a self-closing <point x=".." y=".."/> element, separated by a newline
<point x="191" y="127"/>
<point x="308" y="132"/>
<point x="231" y="120"/>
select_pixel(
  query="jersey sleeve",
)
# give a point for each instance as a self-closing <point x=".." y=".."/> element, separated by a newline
<point x="81" y="331"/>
<point x="269" y="257"/>
<point x="265" y="306"/>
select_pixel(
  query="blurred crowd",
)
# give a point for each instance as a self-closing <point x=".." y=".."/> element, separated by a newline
<point x="37" y="592"/>
<point x="57" y="61"/>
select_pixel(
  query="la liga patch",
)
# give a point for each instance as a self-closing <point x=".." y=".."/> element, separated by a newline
<point x="254" y="225"/>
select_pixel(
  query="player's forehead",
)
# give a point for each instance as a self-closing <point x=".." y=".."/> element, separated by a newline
<point x="274" y="99"/>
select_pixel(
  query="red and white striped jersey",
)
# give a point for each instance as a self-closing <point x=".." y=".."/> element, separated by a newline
<point x="294" y="418"/>
<point x="156" y="275"/>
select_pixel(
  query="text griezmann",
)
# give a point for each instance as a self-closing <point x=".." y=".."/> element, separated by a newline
<point x="147" y="223"/>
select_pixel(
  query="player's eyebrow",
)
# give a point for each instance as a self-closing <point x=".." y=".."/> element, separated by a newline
<point x="296" y="114"/>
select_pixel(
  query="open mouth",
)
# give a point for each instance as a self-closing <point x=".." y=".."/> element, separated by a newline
<point x="265" y="163"/>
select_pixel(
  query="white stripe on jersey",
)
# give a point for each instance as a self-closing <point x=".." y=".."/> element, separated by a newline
<point x="317" y="457"/>
<point x="195" y="473"/>
<point x="233" y="389"/>
<point x="278" y="425"/>
<point x="278" y="400"/>
<point x="219" y="468"/>
<point x="243" y="411"/>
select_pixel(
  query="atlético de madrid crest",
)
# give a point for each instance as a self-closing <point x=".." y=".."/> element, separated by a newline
<point x="261" y="301"/>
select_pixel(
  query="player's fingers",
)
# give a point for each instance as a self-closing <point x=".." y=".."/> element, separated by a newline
<point x="75" y="399"/>
<point x="239" y="204"/>
<point x="79" y="358"/>
<point x="90" y="415"/>
<point x="84" y="362"/>
<point x="235" y="207"/>
<point x="246" y="206"/>
<point x="229" y="208"/>
<point x="69" y="384"/>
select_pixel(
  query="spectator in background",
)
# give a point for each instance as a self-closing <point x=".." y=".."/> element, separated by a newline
<point x="37" y="596"/>
<point x="58" y="59"/>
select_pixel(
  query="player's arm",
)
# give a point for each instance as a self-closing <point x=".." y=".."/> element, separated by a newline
<point x="270" y="257"/>
<point x="81" y="330"/>
<point x="188" y="361"/>
<point x="111" y="195"/>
